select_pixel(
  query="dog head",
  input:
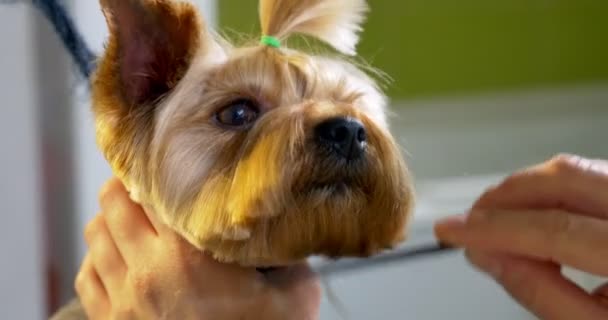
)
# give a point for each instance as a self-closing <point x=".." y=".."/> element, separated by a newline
<point x="260" y="155"/>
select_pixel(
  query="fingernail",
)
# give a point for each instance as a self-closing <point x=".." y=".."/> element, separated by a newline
<point x="450" y="229"/>
<point x="488" y="264"/>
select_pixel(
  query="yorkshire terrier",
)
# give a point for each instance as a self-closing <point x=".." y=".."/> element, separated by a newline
<point x="258" y="155"/>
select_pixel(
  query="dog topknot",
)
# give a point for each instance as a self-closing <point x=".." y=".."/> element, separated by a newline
<point x="335" y="22"/>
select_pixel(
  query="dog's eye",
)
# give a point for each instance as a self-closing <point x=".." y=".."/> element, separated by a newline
<point x="238" y="114"/>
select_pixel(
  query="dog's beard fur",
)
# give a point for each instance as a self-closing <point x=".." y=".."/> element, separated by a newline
<point x="264" y="195"/>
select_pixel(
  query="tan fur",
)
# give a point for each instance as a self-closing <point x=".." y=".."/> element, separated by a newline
<point x="123" y="127"/>
<point x="337" y="22"/>
<point x="248" y="196"/>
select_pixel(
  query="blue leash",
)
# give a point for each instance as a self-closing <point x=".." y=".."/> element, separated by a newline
<point x="57" y="14"/>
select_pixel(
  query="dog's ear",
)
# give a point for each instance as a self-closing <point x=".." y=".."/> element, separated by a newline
<point x="151" y="45"/>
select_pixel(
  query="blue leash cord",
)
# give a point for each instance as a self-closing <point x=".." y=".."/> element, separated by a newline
<point x="58" y="16"/>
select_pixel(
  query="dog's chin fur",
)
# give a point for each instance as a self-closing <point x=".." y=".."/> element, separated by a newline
<point x="262" y="195"/>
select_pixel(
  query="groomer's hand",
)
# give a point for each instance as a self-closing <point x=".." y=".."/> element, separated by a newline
<point x="524" y="230"/>
<point x="138" y="268"/>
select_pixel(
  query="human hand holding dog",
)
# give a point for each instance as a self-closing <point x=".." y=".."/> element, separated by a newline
<point x="524" y="230"/>
<point x="137" y="268"/>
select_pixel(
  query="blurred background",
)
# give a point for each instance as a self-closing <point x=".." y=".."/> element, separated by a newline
<point x="481" y="88"/>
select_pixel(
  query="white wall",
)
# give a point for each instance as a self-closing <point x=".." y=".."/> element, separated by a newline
<point x="21" y="252"/>
<point x="501" y="132"/>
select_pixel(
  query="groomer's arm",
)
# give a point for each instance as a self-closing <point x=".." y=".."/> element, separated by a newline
<point x="524" y="230"/>
<point x="138" y="268"/>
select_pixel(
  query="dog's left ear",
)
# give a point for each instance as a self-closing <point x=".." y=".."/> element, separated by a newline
<point x="151" y="45"/>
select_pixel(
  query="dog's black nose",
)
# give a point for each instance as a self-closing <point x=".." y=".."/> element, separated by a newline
<point x="345" y="136"/>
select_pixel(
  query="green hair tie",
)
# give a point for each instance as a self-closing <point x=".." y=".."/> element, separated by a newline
<point x="270" y="41"/>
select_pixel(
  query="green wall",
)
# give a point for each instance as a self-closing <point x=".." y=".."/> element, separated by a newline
<point x="447" y="47"/>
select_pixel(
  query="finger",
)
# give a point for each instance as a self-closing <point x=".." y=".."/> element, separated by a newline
<point x="566" y="182"/>
<point x="91" y="292"/>
<point x="559" y="236"/>
<point x="105" y="257"/>
<point x="91" y="229"/>
<point x="126" y="221"/>
<point x="540" y="287"/>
